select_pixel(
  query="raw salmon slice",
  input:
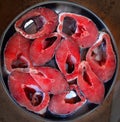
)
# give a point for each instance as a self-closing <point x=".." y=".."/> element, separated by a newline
<point x="42" y="49"/>
<point x="17" y="53"/>
<point x="68" y="58"/>
<point x="38" y="22"/>
<point x="27" y="92"/>
<point x="90" y="84"/>
<point x="50" y="80"/>
<point x="82" y="29"/>
<point x="101" y="58"/>
<point x="67" y="103"/>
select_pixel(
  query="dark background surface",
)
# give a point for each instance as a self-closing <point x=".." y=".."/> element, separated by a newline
<point x="109" y="12"/>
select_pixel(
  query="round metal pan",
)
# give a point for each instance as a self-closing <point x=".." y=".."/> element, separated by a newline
<point x="59" y="6"/>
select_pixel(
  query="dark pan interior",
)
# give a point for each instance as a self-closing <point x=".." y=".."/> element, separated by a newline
<point x="59" y="6"/>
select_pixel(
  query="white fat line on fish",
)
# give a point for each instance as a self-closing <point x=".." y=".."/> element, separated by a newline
<point x="100" y="37"/>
